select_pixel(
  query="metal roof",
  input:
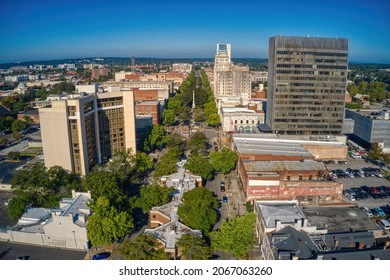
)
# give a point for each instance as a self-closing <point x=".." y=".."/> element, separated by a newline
<point x="275" y="166"/>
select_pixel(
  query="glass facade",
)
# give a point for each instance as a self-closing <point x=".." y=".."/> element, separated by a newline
<point x="307" y="85"/>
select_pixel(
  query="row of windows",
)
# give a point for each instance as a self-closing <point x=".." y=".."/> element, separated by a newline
<point x="315" y="96"/>
<point x="306" y="78"/>
<point x="313" y="53"/>
<point x="305" y="90"/>
<point x="312" y="109"/>
<point x="296" y="72"/>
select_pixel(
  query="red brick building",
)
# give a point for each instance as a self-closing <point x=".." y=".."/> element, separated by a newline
<point x="145" y="94"/>
<point x="151" y="108"/>
<point x="275" y="168"/>
<point x="97" y="72"/>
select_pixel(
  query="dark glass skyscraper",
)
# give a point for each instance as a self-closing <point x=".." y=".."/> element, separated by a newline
<point x="307" y="80"/>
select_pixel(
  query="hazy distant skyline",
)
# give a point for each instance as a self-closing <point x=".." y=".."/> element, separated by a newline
<point x="38" y="30"/>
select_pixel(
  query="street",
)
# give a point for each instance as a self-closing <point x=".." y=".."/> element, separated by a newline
<point x="11" y="251"/>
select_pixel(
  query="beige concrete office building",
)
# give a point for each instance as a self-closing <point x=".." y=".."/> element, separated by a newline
<point x="306" y="85"/>
<point x="232" y="83"/>
<point x="85" y="130"/>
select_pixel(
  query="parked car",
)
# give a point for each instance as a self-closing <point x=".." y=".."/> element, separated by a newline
<point x="367" y="212"/>
<point x="379" y="211"/>
<point x="225" y="199"/>
<point x="101" y="256"/>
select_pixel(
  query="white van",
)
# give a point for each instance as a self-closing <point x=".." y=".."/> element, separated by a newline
<point x="385" y="224"/>
<point x="367" y="212"/>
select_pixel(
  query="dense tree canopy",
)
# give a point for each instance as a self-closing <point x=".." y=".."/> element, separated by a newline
<point x="176" y="140"/>
<point x="197" y="143"/>
<point x="199" y="209"/>
<point x="157" y="138"/>
<point x="38" y="186"/>
<point x="143" y="247"/>
<point x="193" y="248"/>
<point x="199" y="165"/>
<point x="223" y="161"/>
<point x="235" y="236"/>
<point x="167" y="163"/>
<point x="169" y="117"/>
<point x="153" y="195"/>
<point x="107" y="224"/>
<point x="103" y="183"/>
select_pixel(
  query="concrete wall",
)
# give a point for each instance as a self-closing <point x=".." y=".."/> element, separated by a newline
<point x="55" y="134"/>
<point x="129" y="117"/>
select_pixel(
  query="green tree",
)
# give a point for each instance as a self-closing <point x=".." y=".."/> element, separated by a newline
<point x="143" y="247"/>
<point x="193" y="247"/>
<point x="199" y="115"/>
<point x="153" y="195"/>
<point x="197" y="143"/>
<point x="199" y="209"/>
<point x="103" y="183"/>
<point x="143" y="162"/>
<point x="174" y="103"/>
<point x="223" y="161"/>
<point x="235" y="236"/>
<point x="13" y="155"/>
<point x="107" y="224"/>
<point x="4" y="141"/>
<point x="121" y="164"/>
<point x="169" y="117"/>
<point x="157" y="138"/>
<point x="185" y="115"/>
<point x="17" y="206"/>
<point x="17" y="135"/>
<point x="210" y="108"/>
<point x="41" y="187"/>
<point x="18" y="126"/>
<point x="375" y="152"/>
<point x="167" y="163"/>
<point x="213" y="120"/>
<point x="176" y="140"/>
<point x="199" y="165"/>
<point x="6" y="123"/>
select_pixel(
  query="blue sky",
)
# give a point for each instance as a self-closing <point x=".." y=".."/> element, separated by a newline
<point x="41" y="29"/>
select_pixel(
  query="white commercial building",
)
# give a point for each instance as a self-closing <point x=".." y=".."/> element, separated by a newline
<point x="236" y="119"/>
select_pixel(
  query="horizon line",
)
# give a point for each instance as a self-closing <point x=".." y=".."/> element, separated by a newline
<point x="164" y="58"/>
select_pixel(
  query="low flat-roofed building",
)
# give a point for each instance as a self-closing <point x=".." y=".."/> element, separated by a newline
<point x="63" y="227"/>
<point x="340" y="219"/>
<point x="377" y="253"/>
<point x="306" y="181"/>
<point x="258" y="146"/>
<point x="165" y="88"/>
<point x="236" y="119"/>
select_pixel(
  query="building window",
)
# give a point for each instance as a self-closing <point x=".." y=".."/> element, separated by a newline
<point x="300" y="177"/>
<point x="310" y="177"/>
<point x="288" y="178"/>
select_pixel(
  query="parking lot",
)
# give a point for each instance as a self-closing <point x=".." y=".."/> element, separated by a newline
<point x="363" y="185"/>
<point x="5" y="219"/>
